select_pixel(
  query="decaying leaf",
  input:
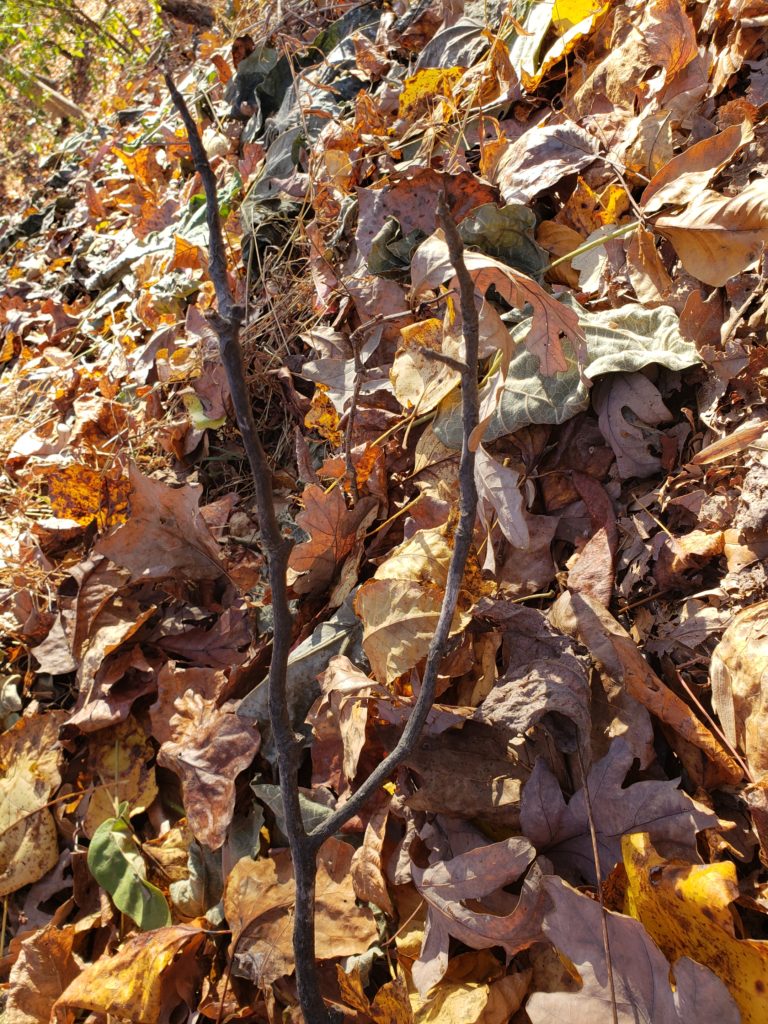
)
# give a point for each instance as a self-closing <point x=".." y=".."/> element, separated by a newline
<point x="686" y="909"/>
<point x="208" y="749"/>
<point x="150" y="976"/>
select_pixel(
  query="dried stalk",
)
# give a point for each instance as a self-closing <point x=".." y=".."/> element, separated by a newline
<point x="227" y="323"/>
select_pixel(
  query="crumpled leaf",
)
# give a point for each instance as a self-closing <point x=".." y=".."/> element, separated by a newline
<point x="209" y="748"/>
<point x="629" y="408"/>
<point x="44" y="968"/>
<point x="165" y="534"/>
<point x="686" y="909"/>
<point x="561" y="830"/>
<point x="335" y="531"/>
<point x="506" y="233"/>
<point x="400" y="606"/>
<point x="570" y="21"/>
<point x="719" y="236"/>
<point x="259" y="900"/>
<point x="29" y="773"/>
<point x="150" y="976"/>
<point x="617" y="341"/>
<point x="641" y="975"/>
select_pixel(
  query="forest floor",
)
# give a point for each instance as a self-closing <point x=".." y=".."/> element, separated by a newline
<point x="582" y="831"/>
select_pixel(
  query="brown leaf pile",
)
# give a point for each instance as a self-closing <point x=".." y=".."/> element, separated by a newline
<point x="595" y="765"/>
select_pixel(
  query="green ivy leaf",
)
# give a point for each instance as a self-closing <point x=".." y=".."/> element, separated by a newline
<point x="118" y="867"/>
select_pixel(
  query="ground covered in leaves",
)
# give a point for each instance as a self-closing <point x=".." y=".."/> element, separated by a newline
<point x="582" y="832"/>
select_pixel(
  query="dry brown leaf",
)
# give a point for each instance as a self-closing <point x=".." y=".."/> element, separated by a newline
<point x="719" y="236"/>
<point x="335" y="532"/>
<point x="400" y="606"/>
<point x="43" y="970"/>
<point x="151" y="975"/>
<point x="367" y="868"/>
<point x="120" y="761"/>
<point x="641" y="975"/>
<point x="209" y="748"/>
<point x="738" y="676"/>
<point x="29" y="773"/>
<point x="165" y="535"/>
<point x="617" y="654"/>
<point x="647" y="273"/>
<point x="259" y="900"/>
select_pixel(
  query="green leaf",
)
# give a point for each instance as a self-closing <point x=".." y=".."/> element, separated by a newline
<point x="117" y="865"/>
<point x="620" y="340"/>
<point x="506" y="234"/>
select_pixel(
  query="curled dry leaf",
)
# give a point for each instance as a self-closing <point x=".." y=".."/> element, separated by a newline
<point x="686" y="909"/>
<point x="719" y="236"/>
<point x="641" y="974"/>
<point x="209" y="748"/>
<point x="514" y="923"/>
<point x="44" y="968"/>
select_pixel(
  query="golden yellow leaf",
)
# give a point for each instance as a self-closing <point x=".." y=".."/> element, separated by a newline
<point x="424" y="90"/>
<point x="144" y="981"/>
<point x="420" y="382"/>
<point x="685" y="908"/>
<point x="323" y="418"/>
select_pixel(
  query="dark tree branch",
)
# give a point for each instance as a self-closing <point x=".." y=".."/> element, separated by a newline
<point x="461" y="544"/>
<point x="227" y="324"/>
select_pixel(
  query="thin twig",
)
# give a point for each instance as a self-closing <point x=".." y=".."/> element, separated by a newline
<point x="461" y="546"/>
<point x="227" y="323"/>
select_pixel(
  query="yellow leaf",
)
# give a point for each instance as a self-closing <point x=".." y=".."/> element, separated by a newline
<point x="144" y="981"/>
<point x="567" y="13"/>
<point x="685" y="908"/>
<point x="420" y="382"/>
<point x="322" y="416"/>
<point x="424" y="90"/>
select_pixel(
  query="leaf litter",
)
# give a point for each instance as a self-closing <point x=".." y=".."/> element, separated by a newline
<point x="594" y="767"/>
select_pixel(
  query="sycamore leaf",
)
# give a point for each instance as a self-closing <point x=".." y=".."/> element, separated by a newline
<point x="150" y="976"/>
<point x="641" y="975"/>
<point x="686" y="909"/>
<point x="562" y="830"/>
<point x="719" y="236"/>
